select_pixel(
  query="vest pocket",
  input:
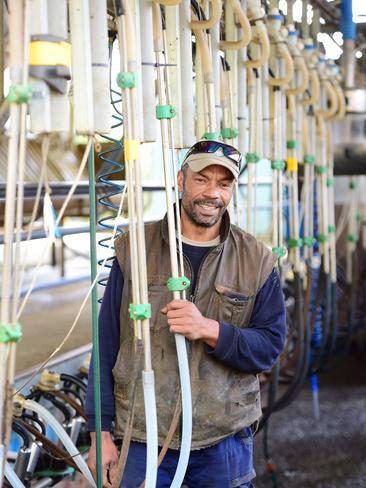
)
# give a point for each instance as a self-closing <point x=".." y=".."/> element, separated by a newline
<point x="234" y="307"/>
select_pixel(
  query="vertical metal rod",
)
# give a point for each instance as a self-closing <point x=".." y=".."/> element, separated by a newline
<point x="94" y="302"/>
<point x="1" y="50"/>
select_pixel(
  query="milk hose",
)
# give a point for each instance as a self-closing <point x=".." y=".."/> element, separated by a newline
<point x="165" y="115"/>
<point x="12" y="477"/>
<point x="139" y="309"/>
<point x="65" y="439"/>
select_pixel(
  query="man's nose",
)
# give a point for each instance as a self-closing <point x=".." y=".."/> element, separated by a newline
<point x="212" y="190"/>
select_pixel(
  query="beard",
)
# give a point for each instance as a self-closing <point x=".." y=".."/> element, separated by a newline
<point x="194" y="215"/>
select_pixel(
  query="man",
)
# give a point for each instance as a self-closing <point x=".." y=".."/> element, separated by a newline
<point x="234" y="322"/>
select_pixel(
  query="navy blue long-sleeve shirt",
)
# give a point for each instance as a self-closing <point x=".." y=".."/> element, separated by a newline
<point x="252" y="349"/>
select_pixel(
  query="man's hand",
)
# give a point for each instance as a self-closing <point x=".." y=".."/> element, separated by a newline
<point x="109" y="458"/>
<point x="184" y="318"/>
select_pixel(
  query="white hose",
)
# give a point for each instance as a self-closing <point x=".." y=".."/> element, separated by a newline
<point x="130" y="60"/>
<point x="11" y="476"/>
<point x="64" y="438"/>
<point x="177" y="267"/>
<point x="151" y="427"/>
<point x="185" y="448"/>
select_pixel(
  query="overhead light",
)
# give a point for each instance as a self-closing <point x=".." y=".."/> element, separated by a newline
<point x="359" y="19"/>
<point x="338" y="37"/>
<point x="358" y="54"/>
<point x="359" y="7"/>
<point x="332" y="50"/>
<point x="297" y="11"/>
<point x="321" y="20"/>
<point x="282" y="5"/>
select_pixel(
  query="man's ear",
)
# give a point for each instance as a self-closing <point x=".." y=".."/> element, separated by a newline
<point x="180" y="180"/>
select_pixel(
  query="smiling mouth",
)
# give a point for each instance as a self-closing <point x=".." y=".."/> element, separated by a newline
<point x="208" y="207"/>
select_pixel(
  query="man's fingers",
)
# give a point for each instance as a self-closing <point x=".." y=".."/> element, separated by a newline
<point x="177" y="313"/>
<point x="175" y="305"/>
<point x="112" y="471"/>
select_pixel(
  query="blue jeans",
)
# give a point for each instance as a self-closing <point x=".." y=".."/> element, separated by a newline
<point x="228" y="464"/>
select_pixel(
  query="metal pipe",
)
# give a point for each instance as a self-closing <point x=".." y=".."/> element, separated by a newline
<point x="348" y="28"/>
<point x="94" y="313"/>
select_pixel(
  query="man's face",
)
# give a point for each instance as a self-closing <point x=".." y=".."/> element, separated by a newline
<point x="206" y="194"/>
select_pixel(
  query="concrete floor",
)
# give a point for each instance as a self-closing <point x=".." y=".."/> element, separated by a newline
<point x="325" y="453"/>
<point x="47" y="319"/>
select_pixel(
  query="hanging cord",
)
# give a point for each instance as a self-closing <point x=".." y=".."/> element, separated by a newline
<point x="58" y="220"/>
<point x="138" y="348"/>
<point x="19" y="94"/>
<point x="21" y="168"/>
<point x="67" y="336"/>
<point x="42" y="178"/>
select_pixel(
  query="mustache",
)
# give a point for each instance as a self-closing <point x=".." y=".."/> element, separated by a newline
<point x="206" y="201"/>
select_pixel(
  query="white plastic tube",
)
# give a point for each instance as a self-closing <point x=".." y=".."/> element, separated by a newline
<point x="185" y="448"/>
<point x="180" y="341"/>
<point x="186" y="73"/>
<point x="151" y="426"/>
<point x="127" y="34"/>
<point x="147" y="70"/>
<point x="64" y="438"/>
<point x="79" y="15"/>
<point x="100" y="67"/>
<point x="12" y="477"/>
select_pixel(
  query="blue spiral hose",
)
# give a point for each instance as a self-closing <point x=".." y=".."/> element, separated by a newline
<point x="115" y="167"/>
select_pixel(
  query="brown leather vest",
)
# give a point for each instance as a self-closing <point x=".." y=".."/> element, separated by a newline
<point x="224" y="400"/>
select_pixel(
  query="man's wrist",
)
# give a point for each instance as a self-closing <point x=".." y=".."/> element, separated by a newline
<point x="211" y="331"/>
<point x="103" y="434"/>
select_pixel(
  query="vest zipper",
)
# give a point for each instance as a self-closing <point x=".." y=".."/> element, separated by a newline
<point x="193" y="297"/>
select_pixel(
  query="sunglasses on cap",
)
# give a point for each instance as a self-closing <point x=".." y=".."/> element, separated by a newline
<point x="212" y="147"/>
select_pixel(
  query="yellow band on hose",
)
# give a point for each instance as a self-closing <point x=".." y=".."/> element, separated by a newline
<point x="292" y="164"/>
<point x="47" y="53"/>
<point x="132" y="149"/>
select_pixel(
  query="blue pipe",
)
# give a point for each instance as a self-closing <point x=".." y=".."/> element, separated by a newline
<point x="348" y="27"/>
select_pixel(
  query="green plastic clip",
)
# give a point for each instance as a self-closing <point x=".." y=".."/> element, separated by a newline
<point x="126" y="79"/>
<point x="179" y="283"/>
<point x="353" y="185"/>
<point x="309" y="241"/>
<point x="330" y="182"/>
<point x="165" y="112"/>
<point x="212" y="136"/>
<point x="292" y="243"/>
<point x="309" y="159"/>
<point x="19" y="93"/>
<point x="10" y="334"/>
<point x="278" y="164"/>
<point x="331" y="229"/>
<point x="229" y="133"/>
<point x="320" y="169"/>
<point x="140" y="311"/>
<point x="252" y="157"/>
<point x="279" y="251"/>
<point x="291" y="144"/>
<point x="352" y="237"/>
<point x="322" y="238"/>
